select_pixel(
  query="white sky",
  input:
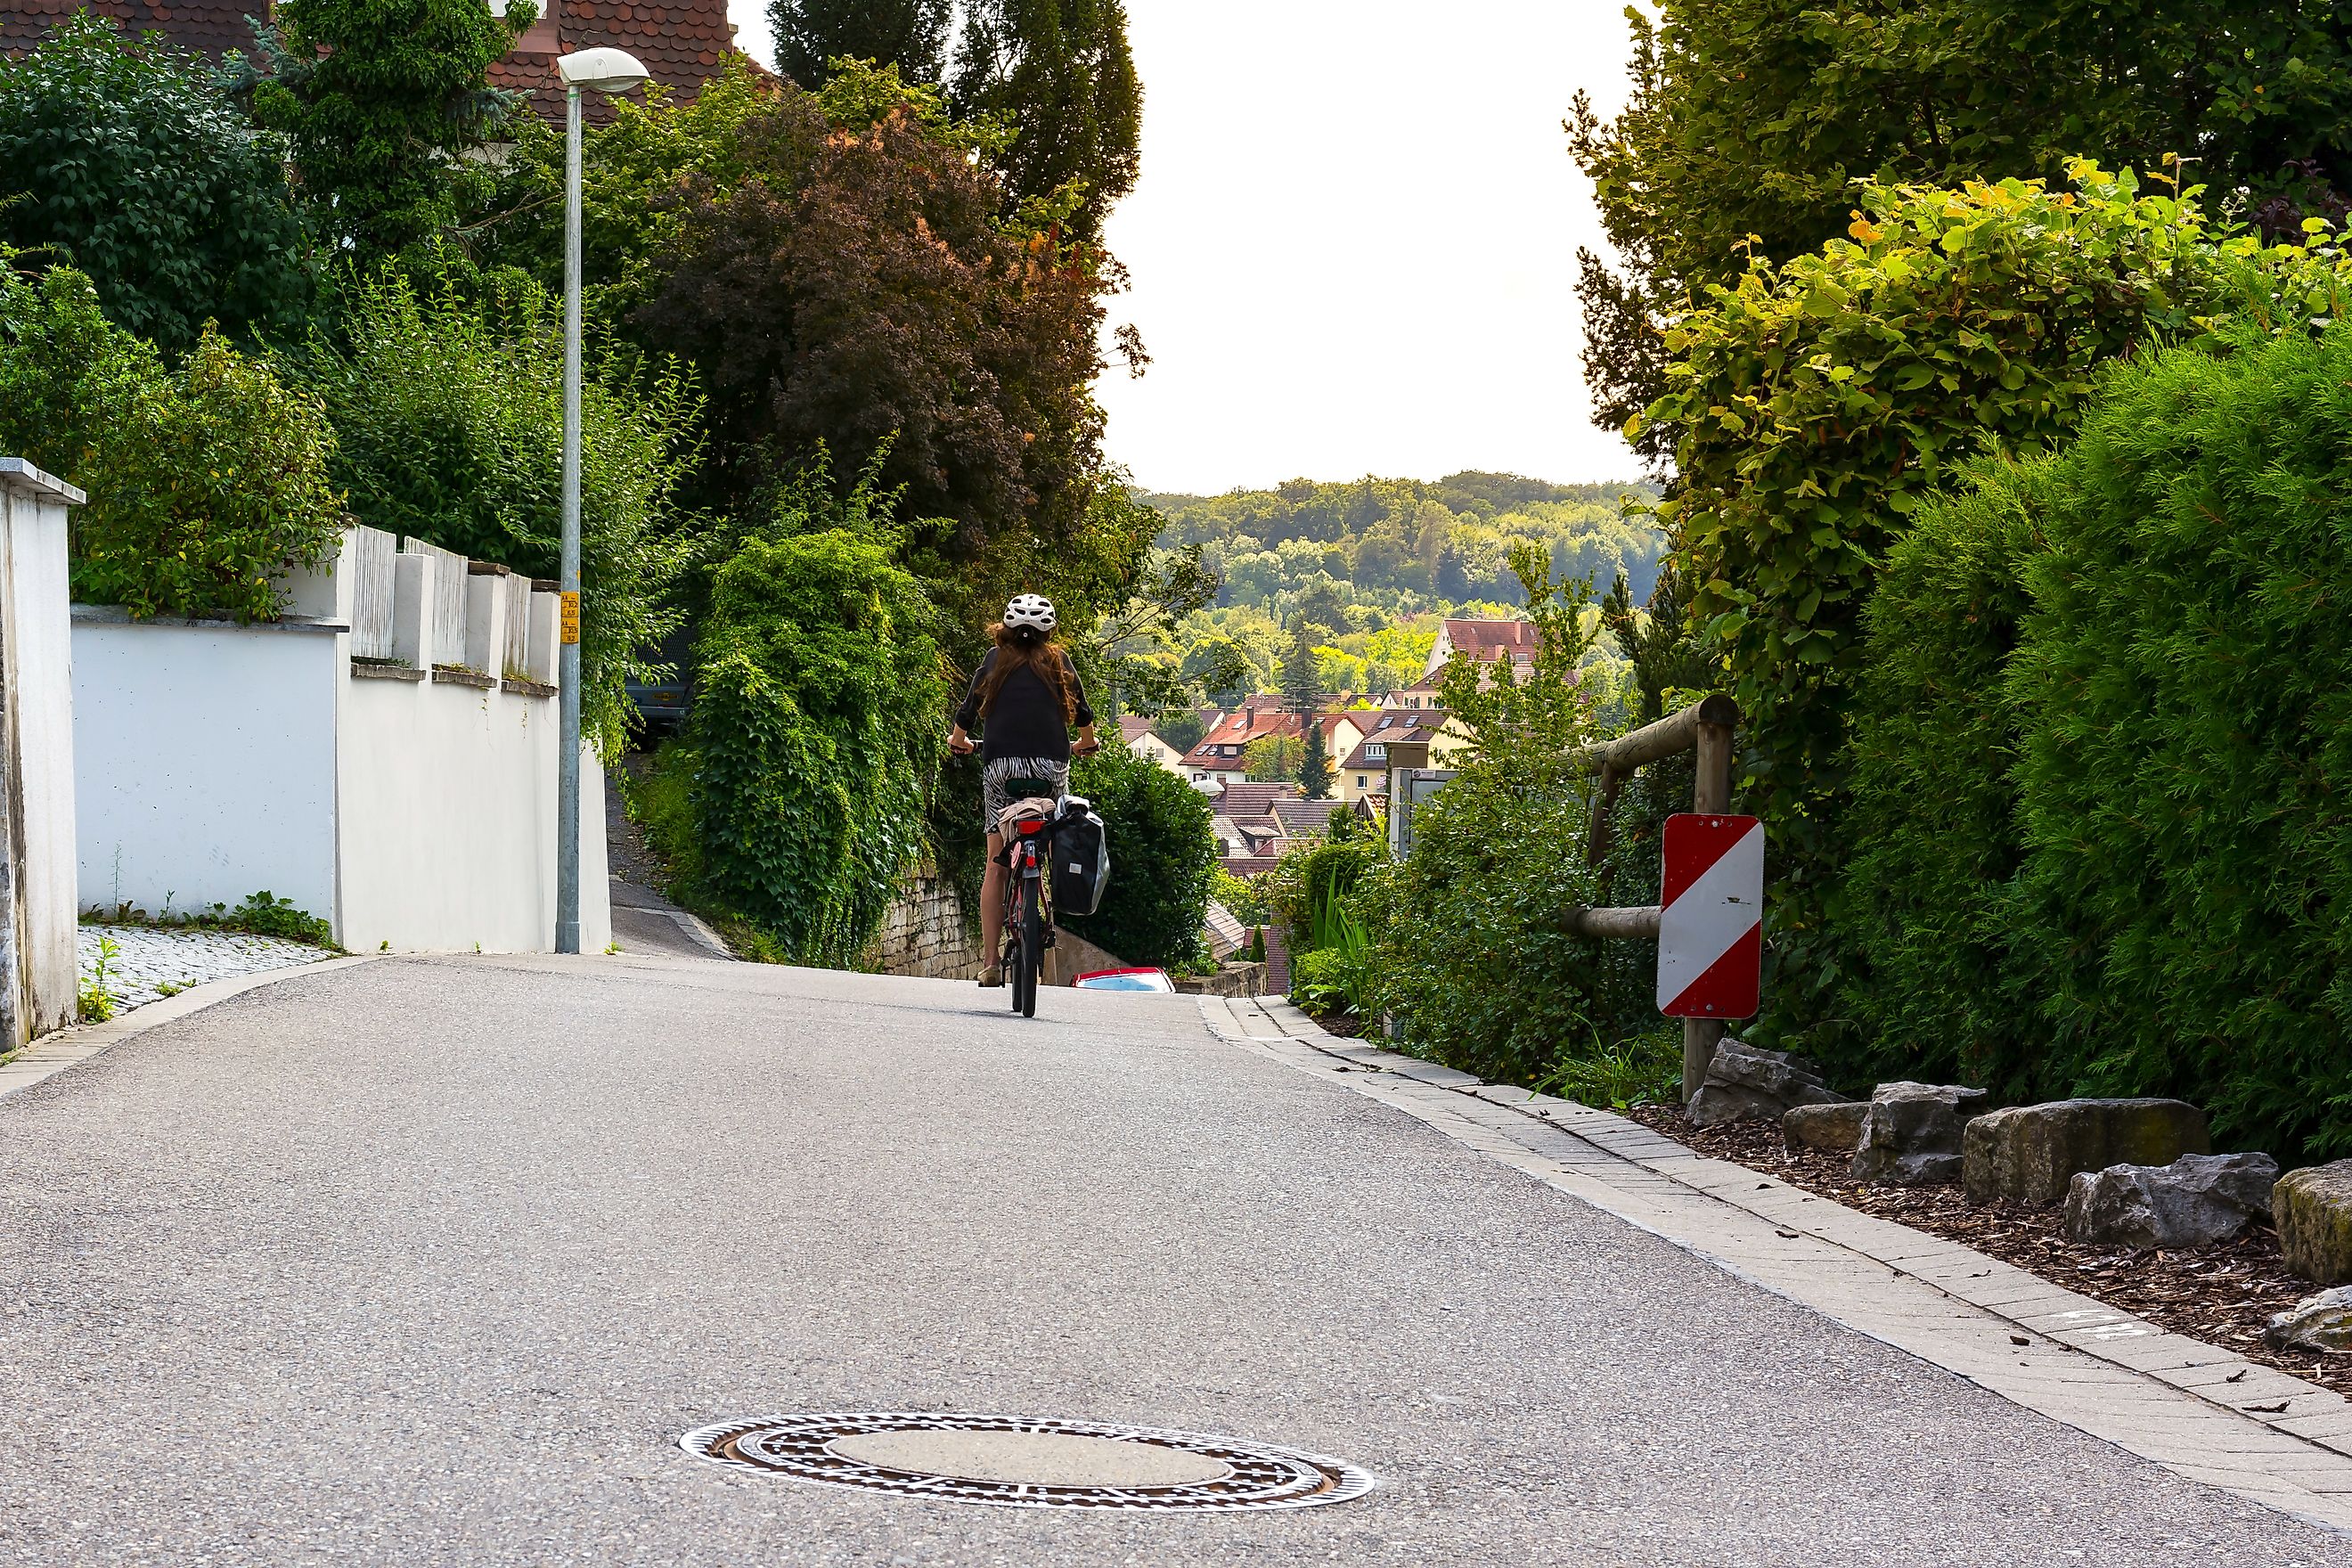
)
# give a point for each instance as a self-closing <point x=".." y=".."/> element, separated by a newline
<point x="1353" y="243"/>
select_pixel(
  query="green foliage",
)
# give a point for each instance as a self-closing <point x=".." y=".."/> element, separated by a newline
<point x="208" y="478"/>
<point x="128" y="162"/>
<point x="1163" y="853"/>
<point x="265" y="915"/>
<point x="1355" y="557"/>
<point x="207" y="484"/>
<point x="1750" y="121"/>
<point x="1929" y="990"/>
<point x="811" y="34"/>
<point x="1645" y="1069"/>
<point x="2171" y="731"/>
<point x="260" y="914"/>
<point x="1475" y="952"/>
<point x="1181" y="728"/>
<point x="1061" y="72"/>
<point x="1315" y="764"/>
<point x="450" y="413"/>
<point x="95" y="1002"/>
<point x="383" y="101"/>
<point x="1272" y="759"/>
<point x="1316" y="868"/>
<point x="853" y="284"/>
<point x="815" y="737"/>
<point x="1239" y="895"/>
<point x="634" y="173"/>
<point x="1816" y="404"/>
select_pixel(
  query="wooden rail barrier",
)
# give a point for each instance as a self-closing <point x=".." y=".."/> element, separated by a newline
<point x="1705" y="727"/>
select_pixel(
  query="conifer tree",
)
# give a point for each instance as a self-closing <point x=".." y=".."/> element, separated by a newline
<point x="1302" y="695"/>
<point x="910" y="34"/>
<point x="1061" y="72"/>
<point x="383" y="100"/>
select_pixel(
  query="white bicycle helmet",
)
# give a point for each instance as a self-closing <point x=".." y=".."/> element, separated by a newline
<point x="1029" y="610"/>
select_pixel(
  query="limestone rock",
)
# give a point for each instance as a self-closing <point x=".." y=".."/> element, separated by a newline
<point x="2313" y="1207"/>
<point x="1911" y="1132"/>
<point x="1832" y="1129"/>
<point x="1747" y="1082"/>
<point x="2029" y="1153"/>
<point x="2198" y="1200"/>
<point x="2321" y="1323"/>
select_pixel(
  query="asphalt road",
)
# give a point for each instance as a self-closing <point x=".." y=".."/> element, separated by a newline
<point x="430" y="1261"/>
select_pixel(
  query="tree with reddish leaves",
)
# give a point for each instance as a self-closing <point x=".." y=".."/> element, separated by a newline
<point x="856" y="290"/>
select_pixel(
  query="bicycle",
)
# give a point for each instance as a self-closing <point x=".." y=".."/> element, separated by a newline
<point x="1028" y="901"/>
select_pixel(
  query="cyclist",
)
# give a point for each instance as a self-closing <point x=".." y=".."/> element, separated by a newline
<point x="1027" y="695"/>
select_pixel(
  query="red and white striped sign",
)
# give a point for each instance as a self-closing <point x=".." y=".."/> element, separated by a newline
<point x="1710" y="924"/>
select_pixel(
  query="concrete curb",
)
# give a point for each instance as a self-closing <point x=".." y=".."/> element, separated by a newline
<point x="53" y="1053"/>
<point x="2179" y="1402"/>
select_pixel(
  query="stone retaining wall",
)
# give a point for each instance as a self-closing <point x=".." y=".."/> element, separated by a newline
<point x="924" y="933"/>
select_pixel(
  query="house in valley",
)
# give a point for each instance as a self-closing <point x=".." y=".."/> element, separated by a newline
<point x="1495" y="646"/>
<point x="1140" y="739"/>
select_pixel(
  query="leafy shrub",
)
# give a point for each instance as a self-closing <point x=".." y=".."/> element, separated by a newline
<point x="1163" y="850"/>
<point x="381" y="101"/>
<point x="207" y="480"/>
<point x="265" y="915"/>
<point x="208" y="483"/>
<point x="2160" y="762"/>
<point x="1317" y="866"/>
<point x="1931" y="991"/>
<point x="126" y="161"/>
<point x="1474" y="950"/>
<point x="1817" y="405"/>
<point x="816" y="736"/>
<point x="1339" y="969"/>
<point x="450" y="418"/>
<point x="1239" y="895"/>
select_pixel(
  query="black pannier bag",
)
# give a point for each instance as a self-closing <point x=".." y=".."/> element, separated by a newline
<point x="1081" y="857"/>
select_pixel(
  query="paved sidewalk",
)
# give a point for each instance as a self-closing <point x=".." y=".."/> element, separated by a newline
<point x="431" y="1260"/>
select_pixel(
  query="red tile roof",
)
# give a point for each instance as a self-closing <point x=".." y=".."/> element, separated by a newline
<point x="682" y="42"/>
<point x="1484" y="640"/>
<point x="1241" y="800"/>
<point x="212" y="26"/>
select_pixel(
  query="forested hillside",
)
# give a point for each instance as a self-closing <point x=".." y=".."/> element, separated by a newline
<point x="1404" y="546"/>
<point x="1373" y="564"/>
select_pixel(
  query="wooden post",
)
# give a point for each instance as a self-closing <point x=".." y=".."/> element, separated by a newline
<point x="1604" y="808"/>
<point x="1710" y="793"/>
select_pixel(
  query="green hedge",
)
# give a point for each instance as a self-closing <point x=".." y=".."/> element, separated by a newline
<point x="1163" y="848"/>
<point x="816" y="737"/>
<point x="207" y="476"/>
<point x="1925" y="904"/>
<point x="2163" y="759"/>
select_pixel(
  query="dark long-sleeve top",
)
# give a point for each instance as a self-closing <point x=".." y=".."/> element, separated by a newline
<point x="1026" y="720"/>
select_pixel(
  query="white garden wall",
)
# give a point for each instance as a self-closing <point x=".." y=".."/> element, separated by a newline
<point x="385" y="756"/>
<point x="38" y="975"/>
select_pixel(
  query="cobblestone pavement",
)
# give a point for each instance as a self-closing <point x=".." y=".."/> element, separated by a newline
<point x="432" y="1260"/>
<point x="152" y="962"/>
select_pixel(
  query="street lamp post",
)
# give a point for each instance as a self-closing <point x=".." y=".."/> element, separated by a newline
<point x="607" y="71"/>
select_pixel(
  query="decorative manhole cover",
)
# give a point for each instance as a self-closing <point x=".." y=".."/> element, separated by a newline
<point x="1020" y="1462"/>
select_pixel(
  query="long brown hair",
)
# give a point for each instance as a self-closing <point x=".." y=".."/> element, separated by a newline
<point x="1027" y="647"/>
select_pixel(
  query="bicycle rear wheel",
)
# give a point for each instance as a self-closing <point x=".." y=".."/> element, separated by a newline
<point x="1033" y="956"/>
<point x="1016" y="972"/>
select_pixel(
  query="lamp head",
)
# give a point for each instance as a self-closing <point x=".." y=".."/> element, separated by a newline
<point x="606" y="70"/>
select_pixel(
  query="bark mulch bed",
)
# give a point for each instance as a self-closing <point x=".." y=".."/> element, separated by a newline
<point x="2223" y="1295"/>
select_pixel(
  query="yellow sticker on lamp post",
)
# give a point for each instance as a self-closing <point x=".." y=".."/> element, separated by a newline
<point x="572" y="616"/>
